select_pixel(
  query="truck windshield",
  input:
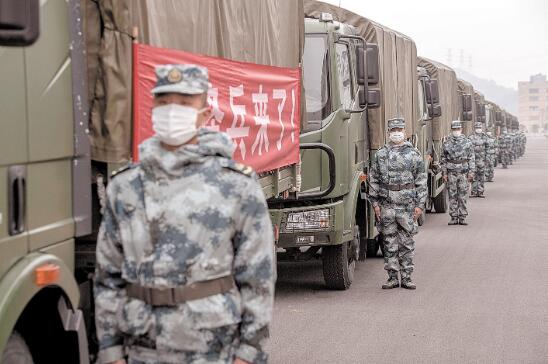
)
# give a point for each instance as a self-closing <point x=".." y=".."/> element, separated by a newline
<point x="316" y="81"/>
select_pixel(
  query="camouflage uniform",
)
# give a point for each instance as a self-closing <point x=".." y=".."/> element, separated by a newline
<point x="504" y="145"/>
<point x="480" y="143"/>
<point x="457" y="164"/>
<point x="179" y="220"/>
<point x="490" y="160"/>
<point x="401" y="166"/>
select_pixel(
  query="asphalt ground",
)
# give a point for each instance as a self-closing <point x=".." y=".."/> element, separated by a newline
<point x="482" y="289"/>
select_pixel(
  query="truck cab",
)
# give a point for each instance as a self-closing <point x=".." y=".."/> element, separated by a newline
<point x="329" y="216"/>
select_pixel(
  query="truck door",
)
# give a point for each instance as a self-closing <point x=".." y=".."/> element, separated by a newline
<point x="50" y="129"/>
<point x="13" y="156"/>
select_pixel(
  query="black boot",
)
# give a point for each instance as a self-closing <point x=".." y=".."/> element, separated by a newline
<point x="453" y="221"/>
<point x="407" y="283"/>
<point x="392" y="282"/>
<point x="462" y="222"/>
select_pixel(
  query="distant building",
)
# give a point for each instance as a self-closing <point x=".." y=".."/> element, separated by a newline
<point x="533" y="102"/>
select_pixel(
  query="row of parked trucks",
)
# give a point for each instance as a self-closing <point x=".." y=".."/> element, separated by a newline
<point x="66" y="101"/>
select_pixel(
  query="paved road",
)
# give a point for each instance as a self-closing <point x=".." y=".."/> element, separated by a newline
<point x="482" y="293"/>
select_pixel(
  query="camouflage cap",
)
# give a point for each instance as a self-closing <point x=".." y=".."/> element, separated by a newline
<point x="181" y="78"/>
<point x="396" y="123"/>
<point x="456" y="124"/>
<point x="478" y="125"/>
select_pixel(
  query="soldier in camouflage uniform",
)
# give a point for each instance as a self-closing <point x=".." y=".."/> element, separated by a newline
<point x="480" y="143"/>
<point x="523" y="143"/>
<point x="185" y="255"/>
<point x="504" y="144"/>
<point x="458" y="166"/>
<point x="491" y="156"/>
<point x="398" y="195"/>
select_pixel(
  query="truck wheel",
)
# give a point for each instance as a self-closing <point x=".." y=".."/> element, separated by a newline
<point x="441" y="202"/>
<point x="16" y="351"/>
<point x="339" y="262"/>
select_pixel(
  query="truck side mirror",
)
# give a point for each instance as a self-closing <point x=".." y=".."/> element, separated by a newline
<point x="469" y="116"/>
<point x="432" y="92"/>
<point x="466" y="103"/>
<point x="372" y="62"/>
<point x="373" y="98"/>
<point x="361" y="67"/>
<point x="434" y="110"/>
<point x="19" y="22"/>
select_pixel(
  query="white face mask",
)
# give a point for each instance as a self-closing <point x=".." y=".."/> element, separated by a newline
<point x="175" y="124"/>
<point x="457" y="133"/>
<point x="397" y="137"/>
<point x="478" y="131"/>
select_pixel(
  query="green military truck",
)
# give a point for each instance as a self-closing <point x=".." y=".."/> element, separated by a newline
<point x="357" y="137"/>
<point x="447" y="107"/>
<point x="66" y="104"/>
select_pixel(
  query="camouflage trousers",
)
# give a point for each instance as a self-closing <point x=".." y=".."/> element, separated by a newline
<point x="479" y="180"/>
<point x="458" y="193"/>
<point x="490" y="169"/>
<point x="398" y="227"/>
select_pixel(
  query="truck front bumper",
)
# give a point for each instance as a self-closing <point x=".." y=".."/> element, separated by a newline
<point x="291" y="235"/>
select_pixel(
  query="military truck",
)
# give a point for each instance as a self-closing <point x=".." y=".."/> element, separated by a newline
<point x="66" y="102"/>
<point x="396" y="83"/>
<point x="446" y="94"/>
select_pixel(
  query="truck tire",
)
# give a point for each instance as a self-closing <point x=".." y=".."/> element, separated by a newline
<point x="339" y="263"/>
<point x="16" y="351"/>
<point x="441" y="202"/>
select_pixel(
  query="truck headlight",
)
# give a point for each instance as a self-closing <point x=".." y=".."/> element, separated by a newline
<point x="308" y="220"/>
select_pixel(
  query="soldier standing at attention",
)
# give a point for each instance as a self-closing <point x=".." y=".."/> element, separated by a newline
<point x="479" y="141"/>
<point x="491" y="156"/>
<point x="398" y="194"/>
<point x="185" y="255"/>
<point x="504" y="145"/>
<point x="458" y="165"/>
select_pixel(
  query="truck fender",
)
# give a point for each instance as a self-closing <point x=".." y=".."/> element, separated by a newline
<point x="18" y="287"/>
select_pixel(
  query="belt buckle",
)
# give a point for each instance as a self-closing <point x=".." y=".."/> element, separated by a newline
<point x="162" y="297"/>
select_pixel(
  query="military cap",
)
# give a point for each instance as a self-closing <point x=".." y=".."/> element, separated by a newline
<point x="456" y="124"/>
<point x="478" y="125"/>
<point x="396" y="123"/>
<point x="181" y="78"/>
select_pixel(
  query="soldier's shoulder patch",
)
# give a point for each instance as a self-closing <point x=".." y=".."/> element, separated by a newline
<point x="123" y="169"/>
<point x="237" y="167"/>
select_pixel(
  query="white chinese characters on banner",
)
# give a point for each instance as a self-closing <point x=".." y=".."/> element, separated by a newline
<point x="239" y="131"/>
<point x="218" y="115"/>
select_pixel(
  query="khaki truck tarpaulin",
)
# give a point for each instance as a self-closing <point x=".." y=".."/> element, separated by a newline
<point x="467" y="88"/>
<point x="269" y="32"/>
<point x="450" y="100"/>
<point x="398" y="69"/>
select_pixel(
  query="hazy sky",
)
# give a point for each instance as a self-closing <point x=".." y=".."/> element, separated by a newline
<point x="507" y="39"/>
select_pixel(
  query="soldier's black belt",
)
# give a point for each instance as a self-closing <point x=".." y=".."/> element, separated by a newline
<point x="408" y="186"/>
<point x="459" y="161"/>
<point x="178" y="295"/>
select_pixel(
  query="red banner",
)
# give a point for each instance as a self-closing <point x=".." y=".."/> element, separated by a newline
<point x="258" y="106"/>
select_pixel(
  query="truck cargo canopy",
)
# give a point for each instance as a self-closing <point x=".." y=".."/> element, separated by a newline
<point x="269" y="32"/>
<point x="398" y="69"/>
